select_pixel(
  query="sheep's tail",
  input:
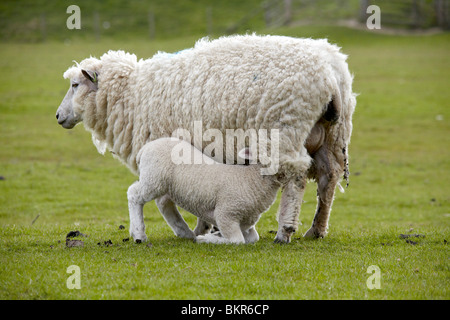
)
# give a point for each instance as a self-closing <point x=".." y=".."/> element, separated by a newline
<point x="332" y="114"/>
<point x="334" y="107"/>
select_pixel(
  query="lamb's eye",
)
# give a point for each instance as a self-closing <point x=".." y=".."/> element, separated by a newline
<point x="74" y="85"/>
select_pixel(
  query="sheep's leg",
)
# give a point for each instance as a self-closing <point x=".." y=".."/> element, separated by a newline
<point x="251" y="235"/>
<point x="327" y="177"/>
<point x="136" y="201"/>
<point x="289" y="211"/>
<point x="202" y="227"/>
<point x="173" y="217"/>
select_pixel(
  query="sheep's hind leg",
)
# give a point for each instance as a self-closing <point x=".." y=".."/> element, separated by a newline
<point x="136" y="202"/>
<point x="289" y="211"/>
<point x="296" y="168"/>
<point x="173" y="217"/>
<point x="327" y="178"/>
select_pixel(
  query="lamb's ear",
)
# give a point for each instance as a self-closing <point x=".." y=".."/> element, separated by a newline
<point x="246" y="154"/>
<point x="90" y="75"/>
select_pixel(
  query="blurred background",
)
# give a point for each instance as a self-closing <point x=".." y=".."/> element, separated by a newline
<point x="41" y="20"/>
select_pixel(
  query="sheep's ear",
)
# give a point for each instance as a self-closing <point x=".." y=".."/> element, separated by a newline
<point x="246" y="154"/>
<point x="90" y="75"/>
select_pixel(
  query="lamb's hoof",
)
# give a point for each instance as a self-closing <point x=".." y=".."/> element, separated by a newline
<point x="201" y="239"/>
<point x="140" y="239"/>
<point x="313" y="233"/>
<point x="186" y="235"/>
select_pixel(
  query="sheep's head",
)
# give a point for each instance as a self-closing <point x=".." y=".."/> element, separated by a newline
<point x="82" y="92"/>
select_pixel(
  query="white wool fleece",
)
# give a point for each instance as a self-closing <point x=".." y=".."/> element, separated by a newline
<point x="248" y="82"/>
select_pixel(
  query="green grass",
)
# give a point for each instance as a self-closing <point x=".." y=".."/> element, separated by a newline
<point x="399" y="159"/>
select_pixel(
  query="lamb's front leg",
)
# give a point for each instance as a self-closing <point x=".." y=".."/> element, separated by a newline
<point x="136" y="209"/>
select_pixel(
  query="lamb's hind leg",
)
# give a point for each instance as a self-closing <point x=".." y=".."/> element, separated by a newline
<point x="202" y="227"/>
<point x="230" y="230"/>
<point x="327" y="177"/>
<point x="251" y="235"/>
<point x="173" y="217"/>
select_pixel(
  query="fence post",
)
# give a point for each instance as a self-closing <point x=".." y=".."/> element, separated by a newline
<point x="97" y="26"/>
<point x="362" y="10"/>
<point x="43" y="27"/>
<point x="266" y="7"/>
<point x="209" y="21"/>
<point x="151" y="25"/>
<point x="287" y="12"/>
<point x="441" y="11"/>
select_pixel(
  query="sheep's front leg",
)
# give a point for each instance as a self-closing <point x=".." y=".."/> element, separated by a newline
<point x="173" y="217"/>
<point x="327" y="177"/>
<point x="136" y="203"/>
<point x="289" y="211"/>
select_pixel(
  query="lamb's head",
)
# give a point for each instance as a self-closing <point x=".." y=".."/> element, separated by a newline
<point x="81" y="93"/>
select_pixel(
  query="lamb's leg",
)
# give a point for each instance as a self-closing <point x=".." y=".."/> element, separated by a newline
<point x="251" y="235"/>
<point x="173" y="217"/>
<point x="202" y="227"/>
<point x="229" y="229"/>
<point x="289" y="211"/>
<point x="327" y="177"/>
<point x="136" y="202"/>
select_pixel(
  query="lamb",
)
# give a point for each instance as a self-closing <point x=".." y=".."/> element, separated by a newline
<point x="231" y="197"/>
<point x="300" y="87"/>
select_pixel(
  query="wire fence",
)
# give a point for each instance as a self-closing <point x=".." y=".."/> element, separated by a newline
<point x="412" y="14"/>
<point x="40" y="25"/>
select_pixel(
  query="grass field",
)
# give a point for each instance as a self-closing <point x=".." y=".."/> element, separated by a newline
<point x="54" y="181"/>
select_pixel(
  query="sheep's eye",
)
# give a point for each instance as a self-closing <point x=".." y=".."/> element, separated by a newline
<point x="74" y="85"/>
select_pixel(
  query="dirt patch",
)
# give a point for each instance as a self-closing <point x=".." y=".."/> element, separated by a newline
<point x="74" y="243"/>
<point x="70" y="243"/>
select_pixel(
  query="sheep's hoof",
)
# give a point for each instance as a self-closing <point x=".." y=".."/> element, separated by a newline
<point x="285" y="239"/>
<point x="313" y="233"/>
<point x="284" y="235"/>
